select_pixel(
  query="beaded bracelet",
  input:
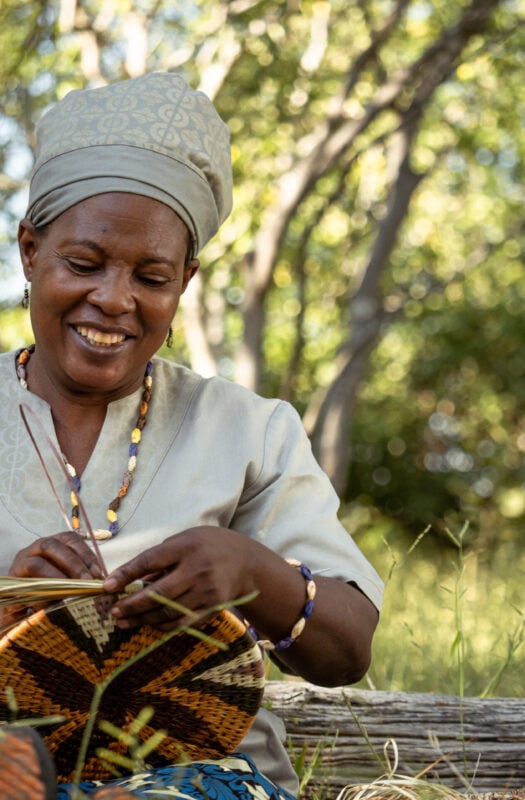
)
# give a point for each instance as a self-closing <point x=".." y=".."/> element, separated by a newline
<point x="298" y="628"/>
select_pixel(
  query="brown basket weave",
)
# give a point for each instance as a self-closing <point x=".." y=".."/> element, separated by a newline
<point x="205" y="698"/>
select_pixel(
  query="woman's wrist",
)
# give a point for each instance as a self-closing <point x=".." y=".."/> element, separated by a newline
<point x="298" y="627"/>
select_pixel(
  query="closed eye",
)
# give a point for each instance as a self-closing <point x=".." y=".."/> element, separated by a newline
<point x="155" y="281"/>
<point x="81" y="267"/>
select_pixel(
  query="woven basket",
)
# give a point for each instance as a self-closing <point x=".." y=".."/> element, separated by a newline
<point x="205" y="698"/>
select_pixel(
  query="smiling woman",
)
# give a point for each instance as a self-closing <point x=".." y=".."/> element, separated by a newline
<point x="224" y="500"/>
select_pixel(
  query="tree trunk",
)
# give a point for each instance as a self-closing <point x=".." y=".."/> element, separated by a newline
<point x="331" y="432"/>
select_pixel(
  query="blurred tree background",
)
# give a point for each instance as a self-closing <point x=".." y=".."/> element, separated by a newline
<point x="371" y="272"/>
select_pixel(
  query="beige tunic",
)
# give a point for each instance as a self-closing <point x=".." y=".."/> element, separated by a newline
<point x="212" y="453"/>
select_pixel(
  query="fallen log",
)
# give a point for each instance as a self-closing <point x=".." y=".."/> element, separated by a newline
<point x="470" y="744"/>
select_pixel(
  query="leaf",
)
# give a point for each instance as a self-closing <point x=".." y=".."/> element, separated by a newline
<point x="458" y="638"/>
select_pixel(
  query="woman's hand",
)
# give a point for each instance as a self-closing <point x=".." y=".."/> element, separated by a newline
<point x="198" y="568"/>
<point x="205" y="566"/>
<point x="64" y="555"/>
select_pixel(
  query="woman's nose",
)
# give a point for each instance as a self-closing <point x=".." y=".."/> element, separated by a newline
<point x="113" y="292"/>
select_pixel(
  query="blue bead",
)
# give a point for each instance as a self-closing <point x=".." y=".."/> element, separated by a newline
<point x="284" y="643"/>
<point x="133" y="449"/>
<point x="305" y="572"/>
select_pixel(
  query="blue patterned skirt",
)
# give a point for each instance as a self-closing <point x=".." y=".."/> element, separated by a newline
<point x="233" y="778"/>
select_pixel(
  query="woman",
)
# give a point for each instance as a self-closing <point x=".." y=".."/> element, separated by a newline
<point x="220" y="486"/>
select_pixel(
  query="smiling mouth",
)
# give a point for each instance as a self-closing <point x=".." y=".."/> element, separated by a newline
<point x="99" y="338"/>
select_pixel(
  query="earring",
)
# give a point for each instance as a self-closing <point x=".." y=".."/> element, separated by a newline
<point x="25" y="298"/>
<point x="169" y="337"/>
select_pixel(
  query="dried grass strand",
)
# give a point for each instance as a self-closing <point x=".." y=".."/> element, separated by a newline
<point x="391" y="786"/>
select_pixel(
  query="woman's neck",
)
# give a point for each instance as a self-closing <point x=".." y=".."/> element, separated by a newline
<point x="77" y="429"/>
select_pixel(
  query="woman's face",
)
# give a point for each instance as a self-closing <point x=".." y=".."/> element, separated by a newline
<point x="106" y="278"/>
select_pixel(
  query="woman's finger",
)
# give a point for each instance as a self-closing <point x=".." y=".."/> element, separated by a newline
<point x="62" y="555"/>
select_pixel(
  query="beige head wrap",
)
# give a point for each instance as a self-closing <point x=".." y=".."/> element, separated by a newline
<point x="151" y="135"/>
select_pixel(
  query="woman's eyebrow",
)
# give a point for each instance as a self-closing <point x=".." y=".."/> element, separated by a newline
<point x="156" y="260"/>
<point x="83" y="243"/>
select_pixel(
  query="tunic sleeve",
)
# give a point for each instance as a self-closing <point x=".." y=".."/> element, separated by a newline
<point x="292" y="507"/>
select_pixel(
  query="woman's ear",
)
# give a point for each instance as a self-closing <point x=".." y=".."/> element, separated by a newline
<point x="28" y="240"/>
<point x="189" y="271"/>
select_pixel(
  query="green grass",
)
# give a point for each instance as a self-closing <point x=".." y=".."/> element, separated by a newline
<point x="453" y="618"/>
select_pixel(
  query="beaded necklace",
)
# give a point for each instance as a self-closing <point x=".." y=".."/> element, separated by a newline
<point x="136" y="435"/>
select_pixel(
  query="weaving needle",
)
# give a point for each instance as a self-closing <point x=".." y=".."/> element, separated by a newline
<point x="24" y="408"/>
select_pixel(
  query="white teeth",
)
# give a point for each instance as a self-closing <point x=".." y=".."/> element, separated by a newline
<point x="97" y="337"/>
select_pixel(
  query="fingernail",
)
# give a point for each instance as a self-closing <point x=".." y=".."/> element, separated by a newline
<point x="110" y="584"/>
<point x="116" y="612"/>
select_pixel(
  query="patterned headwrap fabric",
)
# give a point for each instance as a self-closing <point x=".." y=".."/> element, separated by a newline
<point x="153" y="136"/>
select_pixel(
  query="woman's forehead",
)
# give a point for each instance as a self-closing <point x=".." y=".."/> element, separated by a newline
<point x="124" y="208"/>
<point x="144" y="222"/>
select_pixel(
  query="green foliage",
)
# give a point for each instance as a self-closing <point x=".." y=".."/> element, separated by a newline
<point x="15" y="330"/>
<point x="453" y="622"/>
<point x="305" y="763"/>
<point x="138" y="748"/>
<point x="439" y="430"/>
